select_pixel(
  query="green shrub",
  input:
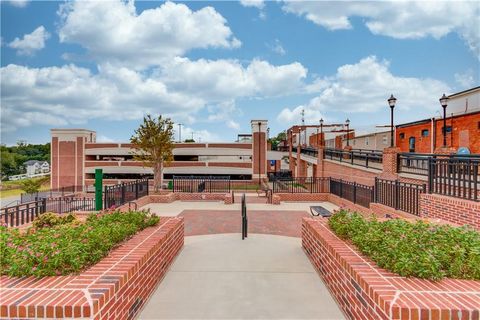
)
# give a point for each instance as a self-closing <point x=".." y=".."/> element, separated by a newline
<point x="50" y="219"/>
<point x="419" y="249"/>
<point x="67" y="248"/>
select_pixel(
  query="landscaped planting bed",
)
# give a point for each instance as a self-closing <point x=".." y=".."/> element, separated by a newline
<point x="420" y="249"/>
<point x="58" y="245"/>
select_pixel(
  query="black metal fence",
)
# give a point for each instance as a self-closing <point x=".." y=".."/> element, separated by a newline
<point x="399" y="195"/>
<point x="122" y="193"/>
<point x="301" y="185"/>
<point x="352" y="191"/>
<point x="309" y="151"/>
<point x="69" y="204"/>
<point x="414" y="163"/>
<point x="364" y="158"/>
<point x="24" y="213"/>
<point x="455" y="177"/>
<point x="208" y="184"/>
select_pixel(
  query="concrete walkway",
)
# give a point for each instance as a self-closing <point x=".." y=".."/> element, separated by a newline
<point x="222" y="277"/>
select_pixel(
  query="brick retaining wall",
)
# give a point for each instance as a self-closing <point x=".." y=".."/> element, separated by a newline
<point x="455" y="210"/>
<point x="365" y="291"/>
<point x="115" y="288"/>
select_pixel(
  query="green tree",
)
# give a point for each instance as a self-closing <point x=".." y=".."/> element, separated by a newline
<point x="153" y="144"/>
<point x="31" y="185"/>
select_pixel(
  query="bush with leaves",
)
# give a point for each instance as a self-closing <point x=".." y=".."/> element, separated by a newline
<point x="419" y="249"/>
<point x="67" y="248"/>
<point x="50" y="219"/>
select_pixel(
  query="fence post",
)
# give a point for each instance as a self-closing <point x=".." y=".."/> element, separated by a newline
<point x="123" y="194"/>
<point x="375" y="188"/>
<point x="397" y="193"/>
<point x="430" y="175"/>
<point x="341" y="188"/>
<point x="354" y="192"/>
<point x="136" y="190"/>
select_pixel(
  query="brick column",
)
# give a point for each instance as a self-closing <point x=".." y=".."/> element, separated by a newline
<point x="348" y="149"/>
<point x="320" y="162"/>
<point x="302" y="168"/>
<point x="259" y="149"/>
<point x="390" y="163"/>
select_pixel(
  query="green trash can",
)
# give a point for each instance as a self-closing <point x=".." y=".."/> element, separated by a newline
<point x="170" y="185"/>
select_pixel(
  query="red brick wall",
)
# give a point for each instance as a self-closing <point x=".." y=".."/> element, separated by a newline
<point x="365" y="291"/>
<point x="100" y="145"/>
<point x="66" y="163"/>
<point x="54" y="178"/>
<point x="302" y="197"/>
<point x="349" y="173"/>
<point x="259" y="150"/>
<point x="466" y="133"/>
<point x="116" y="288"/>
<point x="455" y="210"/>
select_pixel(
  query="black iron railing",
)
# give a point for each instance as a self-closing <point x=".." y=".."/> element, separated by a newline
<point x="352" y="191"/>
<point x="364" y="158"/>
<point x="122" y="193"/>
<point x="207" y="184"/>
<point x="399" y="195"/>
<point x="309" y="151"/>
<point x="69" y="204"/>
<point x="301" y="185"/>
<point x="282" y="174"/>
<point x="18" y="215"/>
<point x="244" y="218"/>
<point x="455" y="177"/>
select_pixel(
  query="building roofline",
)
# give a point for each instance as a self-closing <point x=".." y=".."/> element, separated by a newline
<point x="464" y="92"/>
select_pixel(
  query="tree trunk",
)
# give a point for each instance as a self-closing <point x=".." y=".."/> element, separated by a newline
<point x="157" y="176"/>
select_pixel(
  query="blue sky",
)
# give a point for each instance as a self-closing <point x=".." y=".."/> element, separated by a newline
<point x="214" y="66"/>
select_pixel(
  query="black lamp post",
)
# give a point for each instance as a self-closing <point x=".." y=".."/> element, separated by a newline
<point x="321" y="130"/>
<point x="347" y="122"/>
<point x="443" y="102"/>
<point x="391" y="102"/>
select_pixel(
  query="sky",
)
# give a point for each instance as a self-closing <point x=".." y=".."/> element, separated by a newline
<point x="214" y="66"/>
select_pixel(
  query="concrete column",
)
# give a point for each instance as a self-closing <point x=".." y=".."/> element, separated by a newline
<point x="259" y="149"/>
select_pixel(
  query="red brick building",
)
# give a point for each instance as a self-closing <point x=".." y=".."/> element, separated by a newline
<point x="75" y="155"/>
<point x="462" y="127"/>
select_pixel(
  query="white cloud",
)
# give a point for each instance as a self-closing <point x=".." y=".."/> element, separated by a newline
<point x="198" y="135"/>
<point x="364" y="87"/>
<point x="58" y="96"/>
<point x="277" y="47"/>
<point x="103" y="138"/>
<point x="398" y="19"/>
<point x="19" y="3"/>
<point x="73" y="95"/>
<point x="294" y="116"/>
<point x="253" y="3"/>
<point x="220" y="80"/>
<point x="466" y="80"/>
<point x="31" y="42"/>
<point x="113" y="31"/>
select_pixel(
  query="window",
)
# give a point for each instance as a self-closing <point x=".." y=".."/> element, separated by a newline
<point x="449" y="129"/>
<point x="425" y="133"/>
<point x="385" y="140"/>
<point x="402" y="135"/>
<point x="366" y="141"/>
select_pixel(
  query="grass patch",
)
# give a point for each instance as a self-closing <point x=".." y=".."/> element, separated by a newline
<point x="63" y="245"/>
<point x="14" y="188"/>
<point x="245" y="187"/>
<point x="419" y="249"/>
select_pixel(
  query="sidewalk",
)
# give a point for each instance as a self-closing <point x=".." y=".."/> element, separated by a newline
<point x="223" y="277"/>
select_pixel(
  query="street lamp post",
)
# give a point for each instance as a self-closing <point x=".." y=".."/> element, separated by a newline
<point x="347" y="122"/>
<point x="321" y="129"/>
<point x="443" y="102"/>
<point x="391" y="102"/>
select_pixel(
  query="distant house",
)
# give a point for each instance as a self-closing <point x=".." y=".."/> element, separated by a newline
<point x="35" y="167"/>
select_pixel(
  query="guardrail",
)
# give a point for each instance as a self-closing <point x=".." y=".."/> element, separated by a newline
<point x="399" y="195"/>
<point x="455" y="177"/>
<point x="301" y="185"/>
<point x="23" y="213"/>
<point x="122" y="193"/>
<point x="52" y="193"/>
<point x="208" y="184"/>
<point x="367" y="159"/>
<point x="312" y="152"/>
<point x="352" y="191"/>
<point x="69" y="204"/>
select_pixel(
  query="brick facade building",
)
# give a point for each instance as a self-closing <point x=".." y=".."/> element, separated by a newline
<point x="75" y="155"/>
